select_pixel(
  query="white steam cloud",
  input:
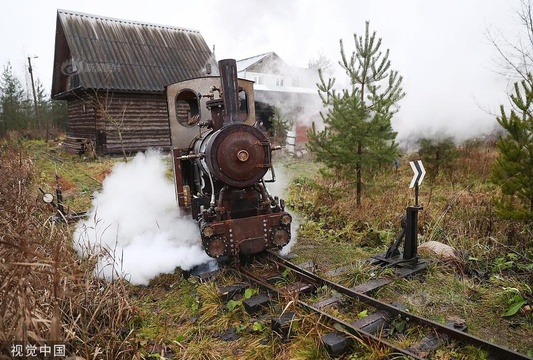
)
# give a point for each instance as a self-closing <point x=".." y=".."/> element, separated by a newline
<point x="278" y="188"/>
<point x="134" y="227"/>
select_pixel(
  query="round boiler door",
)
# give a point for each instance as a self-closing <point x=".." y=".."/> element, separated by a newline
<point x="241" y="155"/>
<point x="238" y="155"/>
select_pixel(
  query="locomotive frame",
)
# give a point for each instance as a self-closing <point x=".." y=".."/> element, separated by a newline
<point x="220" y="160"/>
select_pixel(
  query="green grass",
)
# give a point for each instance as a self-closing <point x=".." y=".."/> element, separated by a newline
<point x="492" y="273"/>
<point x="185" y="318"/>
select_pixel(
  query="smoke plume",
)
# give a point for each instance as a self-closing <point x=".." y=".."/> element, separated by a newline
<point x="278" y="188"/>
<point x="134" y="227"/>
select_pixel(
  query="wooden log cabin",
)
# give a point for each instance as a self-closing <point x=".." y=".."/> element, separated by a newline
<point x="113" y="72"/>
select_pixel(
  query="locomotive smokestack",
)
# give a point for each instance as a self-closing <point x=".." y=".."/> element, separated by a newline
<point x="230" y="89"/>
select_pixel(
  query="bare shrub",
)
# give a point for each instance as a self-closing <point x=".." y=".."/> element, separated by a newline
<point x="46" y="293"/>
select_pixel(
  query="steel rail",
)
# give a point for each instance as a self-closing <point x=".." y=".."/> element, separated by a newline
<point x="493" y="349"/>
<point x="348" y="327"/>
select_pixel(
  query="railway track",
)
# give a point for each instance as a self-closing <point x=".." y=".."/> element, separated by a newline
<point x="281" y="280"/>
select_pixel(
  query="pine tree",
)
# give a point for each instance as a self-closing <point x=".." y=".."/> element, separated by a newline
<point x="358" y="133"/>
<point x="513" y="169"/>
<point x="52" y="113"/>
<point x="59" y="114"/>
<point x="12" y="102"/>
<point x="438" y="155"/>
<point x="280" y="127"/>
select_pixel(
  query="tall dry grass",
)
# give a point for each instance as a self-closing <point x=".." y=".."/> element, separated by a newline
<point x="458" y="206"/>
<point x="47" y="294"/>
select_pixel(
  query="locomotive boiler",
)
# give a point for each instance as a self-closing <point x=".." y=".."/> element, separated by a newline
<point x="221" y="163"/>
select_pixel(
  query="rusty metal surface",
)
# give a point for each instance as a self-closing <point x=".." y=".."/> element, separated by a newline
<point x="374" y="284"/>
<point x="236" y="155"/>
<point x="230" y="89"/>
<point x="124" y="55"/>
<point x="250" y="276"/>
<point x="394" y="312"/>
<point x="228" y="158"/>
<point x="182" y="135"/>
<point x="249" y="235"/>
<point x="373" y="323"/>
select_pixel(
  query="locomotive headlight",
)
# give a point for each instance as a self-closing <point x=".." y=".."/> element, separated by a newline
<point x="280" y="237"/>
<point x="216" y="248"/>
<point x="208" y="231"/>
<point x="286" y="219"/>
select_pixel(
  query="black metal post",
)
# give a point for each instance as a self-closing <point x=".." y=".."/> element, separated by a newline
<point x="416" y="193"/>
<point x="411" y="233"/>
<point x="59" y="196"/>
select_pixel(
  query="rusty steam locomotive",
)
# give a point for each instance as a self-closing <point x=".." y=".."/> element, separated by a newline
<point x="220" y="161"/>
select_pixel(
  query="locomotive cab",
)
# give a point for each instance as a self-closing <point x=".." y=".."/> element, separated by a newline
<point x="220" y="160"/>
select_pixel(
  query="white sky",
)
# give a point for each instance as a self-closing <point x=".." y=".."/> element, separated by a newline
<point x="440" y="47"/>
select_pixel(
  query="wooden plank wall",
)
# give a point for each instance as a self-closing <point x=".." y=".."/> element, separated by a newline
<point x="141" y="119"/>
<point x="81" y="118"/>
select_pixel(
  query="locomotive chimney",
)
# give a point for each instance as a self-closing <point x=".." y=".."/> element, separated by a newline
<point x="230" y="89"/>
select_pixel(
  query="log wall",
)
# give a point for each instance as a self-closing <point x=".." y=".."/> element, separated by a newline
<point x="81" y="118"/>
<point x="133" y="122"/>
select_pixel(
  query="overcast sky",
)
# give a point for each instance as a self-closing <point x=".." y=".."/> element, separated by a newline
<point x="439" y="47"/>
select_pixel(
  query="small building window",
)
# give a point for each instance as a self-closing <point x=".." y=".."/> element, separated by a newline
<point x="258" y="80"/>
<point x="279" y="82"/>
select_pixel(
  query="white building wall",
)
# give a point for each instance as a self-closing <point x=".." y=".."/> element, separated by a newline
<point x="269" y="80"/>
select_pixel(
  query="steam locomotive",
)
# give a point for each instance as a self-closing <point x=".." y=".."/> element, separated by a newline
<point x="220" y="161"/>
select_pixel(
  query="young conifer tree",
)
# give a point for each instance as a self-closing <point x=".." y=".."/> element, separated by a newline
<point x="280" y="127"/>
<point x="358" y="135"/>
<point x="513" y="169"/>
<point x="13" y="114"/>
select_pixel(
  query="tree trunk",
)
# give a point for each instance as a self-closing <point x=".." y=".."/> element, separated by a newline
<point x="122" y="144"/>
<point x="358" y="176"/>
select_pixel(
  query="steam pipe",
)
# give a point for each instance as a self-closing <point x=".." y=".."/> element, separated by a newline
<point x="212" y="202"/>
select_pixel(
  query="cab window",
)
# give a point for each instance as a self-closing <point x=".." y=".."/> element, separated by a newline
<point x="187" y="108"/>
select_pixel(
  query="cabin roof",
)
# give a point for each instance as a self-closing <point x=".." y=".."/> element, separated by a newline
<point x="102" y="53"/>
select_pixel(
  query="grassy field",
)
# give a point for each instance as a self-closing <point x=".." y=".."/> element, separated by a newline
<point x="50" y="294"/>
